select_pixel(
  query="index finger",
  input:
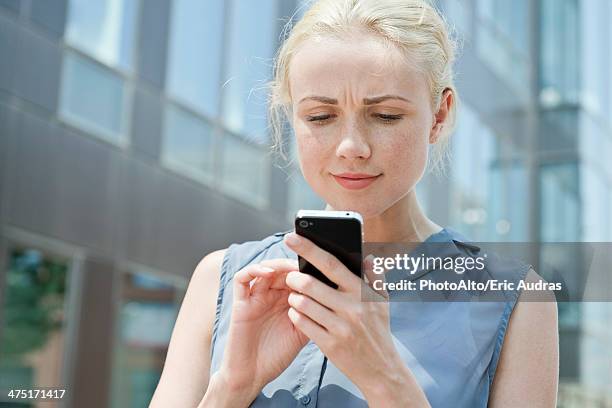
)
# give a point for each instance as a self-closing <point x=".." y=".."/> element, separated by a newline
<point x="281" y="268"/>
<point x="327" y="263"/>
<point x="281" y="264"/>
<point x="372" y="289"/>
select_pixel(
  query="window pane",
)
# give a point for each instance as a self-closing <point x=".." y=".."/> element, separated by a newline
<point x="508" y="203"/>
<point x="188" y="143"/>
<point x="93" y="97"/>
<point x="103" y="28"/>
<point x="569" y="315"/>
<point x="459" y="16"/>
<point x="194" y="54"/>
<point x="249" y="67"/>
<point x="473" y="150"/>
<point x="245" y="171"/>
<point x="594" y="191"/>
<point x="147" y="313"/>
<point x="595" y="70"/>
<point x="510" y="15"/>
<point x="502" y="40"/>
<point x="559" y="213"/>
<point x="559" y="55"/>
<point x="32" y="342"/>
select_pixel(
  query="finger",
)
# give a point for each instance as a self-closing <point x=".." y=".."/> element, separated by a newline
<point x="328" y="264"/>
<point x="250" y="272"/>
<point x="261" y="285"/>
<point x="243" y="278"/>
<point x="304" y="324"/>
<point x="281" y="264"/>
<point x="374" y="281"/>
<point x="279" y="280"/>
<point x="274" y="281"/>
<point x="315" y="289"/>
<point x="313" y="310"/>
<point x="275" y="269"/>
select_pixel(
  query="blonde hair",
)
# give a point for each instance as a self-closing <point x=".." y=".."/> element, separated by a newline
<point x="414" y="26"/>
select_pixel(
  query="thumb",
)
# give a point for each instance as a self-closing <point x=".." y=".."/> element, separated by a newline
<point x="373" y="279"/>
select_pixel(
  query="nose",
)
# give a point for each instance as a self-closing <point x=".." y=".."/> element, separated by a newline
<point x="354" y="142"/>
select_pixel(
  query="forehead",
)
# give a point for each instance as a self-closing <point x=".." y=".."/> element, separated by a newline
<point x="361" y="63"/>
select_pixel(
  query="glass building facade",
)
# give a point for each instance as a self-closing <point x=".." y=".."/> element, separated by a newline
<point x="134" y="140"/>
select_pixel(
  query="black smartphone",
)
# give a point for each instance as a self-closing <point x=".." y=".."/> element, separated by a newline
<point x="337" y="232"/>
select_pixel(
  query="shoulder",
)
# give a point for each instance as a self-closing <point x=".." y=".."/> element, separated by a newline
<point x="535" y="310"/>
<point x="224" y="262"/>
<point x="187" y="362"/>
<point x="205" y="280"/>
<point x="210" y="261"/>
<point x="500" y="263"/>
<point x="241" y="254"/>
<point x="529" y="360"/>
<point x="220" y="265"/>
<point x="208" y="271"/>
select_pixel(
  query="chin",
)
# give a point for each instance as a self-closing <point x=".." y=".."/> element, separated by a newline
<point x="363" y="206"/>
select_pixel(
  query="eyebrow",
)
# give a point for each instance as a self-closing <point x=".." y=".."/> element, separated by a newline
<point x="366" y="101"/>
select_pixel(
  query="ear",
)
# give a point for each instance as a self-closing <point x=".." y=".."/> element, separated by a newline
<point x="441" y="115"/>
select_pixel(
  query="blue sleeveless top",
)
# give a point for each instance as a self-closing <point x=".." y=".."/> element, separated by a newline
<point x="452" y="348"/>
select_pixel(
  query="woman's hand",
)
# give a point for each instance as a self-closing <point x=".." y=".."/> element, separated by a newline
<point x="262" y="340"/>
<point x="354" y="334"/>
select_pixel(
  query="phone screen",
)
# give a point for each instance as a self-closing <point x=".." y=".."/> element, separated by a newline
<point x="339" y="236"/>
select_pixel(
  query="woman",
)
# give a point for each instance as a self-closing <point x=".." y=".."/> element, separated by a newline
<point x="368" y="88"/>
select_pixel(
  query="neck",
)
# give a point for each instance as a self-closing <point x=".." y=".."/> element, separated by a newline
<point x="404" y="221"/>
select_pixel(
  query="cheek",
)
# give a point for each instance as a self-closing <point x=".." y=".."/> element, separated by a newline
<point x="401" y="154"/>
<point x="411" y="150"/>
<point x="309" y="153"/>
<point x="405" y="157"/>
<point x="314" y="146"/>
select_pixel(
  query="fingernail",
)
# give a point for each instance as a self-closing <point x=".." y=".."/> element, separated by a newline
<point x="293" y="239"/>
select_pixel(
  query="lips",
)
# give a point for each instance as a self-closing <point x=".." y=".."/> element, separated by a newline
<point x="355" y="181"/>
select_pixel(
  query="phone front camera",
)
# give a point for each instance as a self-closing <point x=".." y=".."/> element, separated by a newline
<point x="304" y="224"/>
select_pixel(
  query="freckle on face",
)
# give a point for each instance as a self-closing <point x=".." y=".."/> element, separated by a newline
<point x="350" y="70"/>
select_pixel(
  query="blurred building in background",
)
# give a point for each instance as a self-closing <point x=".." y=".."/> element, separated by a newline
<point x="133" y="141"/>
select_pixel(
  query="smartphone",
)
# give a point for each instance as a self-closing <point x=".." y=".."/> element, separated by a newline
<point x="337" y="232"/>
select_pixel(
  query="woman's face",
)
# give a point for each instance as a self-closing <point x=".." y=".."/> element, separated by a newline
<point x="359" y="108"/>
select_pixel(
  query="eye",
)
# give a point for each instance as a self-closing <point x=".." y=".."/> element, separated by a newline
<point x="319" y="119"/>
<point x="388" y="118"/>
